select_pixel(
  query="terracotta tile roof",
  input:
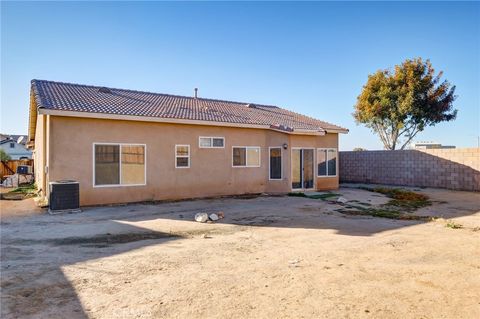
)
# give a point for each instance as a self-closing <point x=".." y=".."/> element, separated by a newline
<point x="94" y="99"/>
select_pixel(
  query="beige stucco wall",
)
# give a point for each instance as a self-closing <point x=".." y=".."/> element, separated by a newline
<point x="40" y="153"/>
<point x="210" y="173"/>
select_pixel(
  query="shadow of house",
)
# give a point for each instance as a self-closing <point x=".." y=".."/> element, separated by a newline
<point x="34" y="286"/>
<point x="258" y="211"/>
<point x="304" y="213"/>
<point x="456" y="169"/>
<point x="35" y="250"/>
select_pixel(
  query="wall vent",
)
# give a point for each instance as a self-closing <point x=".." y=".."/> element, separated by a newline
<point x="104" y="90"/>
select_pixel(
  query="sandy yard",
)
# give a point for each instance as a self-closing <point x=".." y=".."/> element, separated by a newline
<point x="271" y="257"/>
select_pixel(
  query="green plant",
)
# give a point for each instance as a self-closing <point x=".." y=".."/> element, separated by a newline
<point x="295" y="194"/>
<point x="402" y="198"/>
<point x="398" y="104"/>
<point x="383" y="213"/>
<point x="451" y="224"/>
<point x="325" y="196"/>
<point x="30" y="189"/>
<point x="4" y="156"/>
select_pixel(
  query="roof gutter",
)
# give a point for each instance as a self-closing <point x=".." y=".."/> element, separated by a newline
<point x="343" y="131"/>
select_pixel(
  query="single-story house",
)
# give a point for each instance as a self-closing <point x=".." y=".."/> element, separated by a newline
<point x="129" y="146"/>
<point x="14" y="146"/>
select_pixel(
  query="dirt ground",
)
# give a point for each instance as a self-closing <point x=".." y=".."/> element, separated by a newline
<point x="271" y="257"/>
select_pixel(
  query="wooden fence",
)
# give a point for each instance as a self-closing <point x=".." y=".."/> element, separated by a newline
<point x="10" y="167"/>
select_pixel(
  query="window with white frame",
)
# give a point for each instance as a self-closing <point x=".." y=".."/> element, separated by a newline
<point x="119" y="164"/>
<point x="182" y="156"/>
<point x="275" y="162"/>
<point x="326" y="162"/>
<point x="246" y="156"/>
<point x="211" y="142"/>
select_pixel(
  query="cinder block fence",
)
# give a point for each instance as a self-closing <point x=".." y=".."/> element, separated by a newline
<point x="457" y="169"/>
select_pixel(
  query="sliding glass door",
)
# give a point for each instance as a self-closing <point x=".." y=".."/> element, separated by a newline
<point x="302" y="168"/>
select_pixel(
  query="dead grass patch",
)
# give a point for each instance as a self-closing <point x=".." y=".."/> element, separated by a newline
<point x="453" y="225"/>
<point x="402" y="198"/>
<point x="383" y="213"/>
<point x="325" y="196"/>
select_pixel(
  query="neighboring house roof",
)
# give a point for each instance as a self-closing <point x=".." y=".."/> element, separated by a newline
<point x="20" y="139"/>
<point x="17" y="150"/>
<point x="6" y="141"/>
<point x="58" y="96"/>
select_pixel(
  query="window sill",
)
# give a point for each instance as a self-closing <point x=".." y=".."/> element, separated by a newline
<point x="115" y="185"/>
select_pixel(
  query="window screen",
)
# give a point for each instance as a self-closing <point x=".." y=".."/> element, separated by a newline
<point x="133" y="164"/>
<point x="327" y="162"/>
<point x="246" y="156"/>
<point x="276" y="163"/>
<point x="182" y="156"/>
<point x="205" y="142"/>
<point x="239" y="156"/>
<point x="332" y="162"/>
<point x="119" y="164"/>
<point x="253" y="156"/>
<point x="217" y="142"/>
<point x="322" y="162"/>
<point x="211" y="142"/>
<point x="107" y="164"/>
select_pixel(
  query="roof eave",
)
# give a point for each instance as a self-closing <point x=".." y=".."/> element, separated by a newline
<point x="33" y="112"/>
<point x="109" y="116"/>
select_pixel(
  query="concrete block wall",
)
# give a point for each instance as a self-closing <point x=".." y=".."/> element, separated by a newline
<point x="457" y="169"/>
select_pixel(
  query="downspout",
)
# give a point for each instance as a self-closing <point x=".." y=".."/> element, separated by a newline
<point x="44" y="157"/>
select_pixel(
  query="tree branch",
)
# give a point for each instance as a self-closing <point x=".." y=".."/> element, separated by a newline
<point x="411" y="136"/>
<point x="381" y="133"/>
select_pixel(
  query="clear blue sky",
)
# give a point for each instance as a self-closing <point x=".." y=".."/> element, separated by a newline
<point x="312" y="58"/>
